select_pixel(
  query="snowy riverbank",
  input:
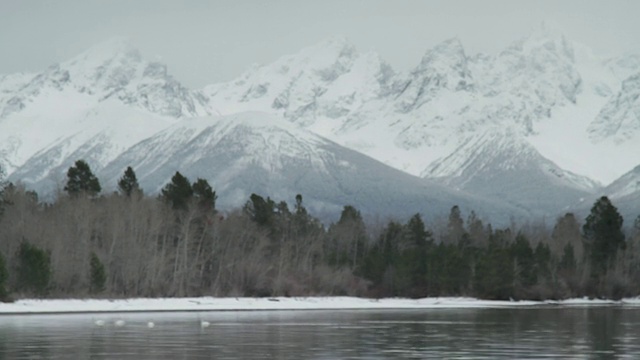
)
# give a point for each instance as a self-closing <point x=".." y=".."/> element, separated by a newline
<point x="32" y="306"/>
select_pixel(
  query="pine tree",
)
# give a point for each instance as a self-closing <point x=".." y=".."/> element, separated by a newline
<point x="542" y="255"/>
<point x="568" y="260"/>
<point x="178" y="192"/>
<point x="603" y="235"/>
<point x="4" y="276"/>
<point x="523" y="255"/>
<point x="477" y="234"/>
<point x="97" y="275"/>
<point x="34" y="269"/>
<point x="128" y="183"/>
<point x="494" y="276"/>
<point x="455" y="226"/>
<point x="80" y="180"/>
<point x="349" y="237"/>
<point x="205" y="195"/>
<point x="260" y="210"/>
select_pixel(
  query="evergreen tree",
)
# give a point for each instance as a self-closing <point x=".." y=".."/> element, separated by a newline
<point x="523" y="255"/>
<point x="304" y="223"/>
<point x="455" y="226"/>
<point x="603" y="235"/>
<point x="205" y="195"/>
<point x="128" y="183"/>
<point x="349" y="214"/>
<point x="542" y="255"/>
<point x="568" y="260"/>
<point x="178" y="192"/>
<point x="449" y="272"/>
<point x="418" y="235"/>
<point x="420" y="241"/>
<point x="4" y="276"/>
<point x="477" y="232"/>
<point x="494" y="275"/>
<point x="349" y="237"/>
<point x="566" y="230"/>
<point x="97" y="275"/>
<point x="80" y="180"/>
<point x="34" y="269"/>
<point x="383" y="264"/>
<point x="260" y="210"/>
<point x="299" y="208"/>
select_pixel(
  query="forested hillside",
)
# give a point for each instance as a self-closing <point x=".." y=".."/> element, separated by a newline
<point x="130" y="244"/>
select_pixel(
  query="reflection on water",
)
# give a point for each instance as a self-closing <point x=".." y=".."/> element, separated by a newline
<point x="595" y="332"/>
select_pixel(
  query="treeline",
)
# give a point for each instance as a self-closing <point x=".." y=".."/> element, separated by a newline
<point x="129" y="244"/>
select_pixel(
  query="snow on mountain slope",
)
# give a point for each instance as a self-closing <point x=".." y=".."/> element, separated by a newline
<point x="626" y="185"/>
<point x="256" y="153"/>
<point x="625" y="194"/>
<point x="545" y="118"/>
<point x="419" y="120"/>
<point x="597" y="135"/>
<point x="329" y="79"/>
<point x="501" y="165"/>
<point x="113" y="69"/>
<point x="443" y="67"/>
<point x="97" y="135"/>
<point x="9" y="84"/>
<point x="107" y="87"/>
<point x="619" y="119"/>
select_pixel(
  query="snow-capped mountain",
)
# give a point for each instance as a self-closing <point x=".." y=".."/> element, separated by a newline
<point x="113" y="70"/>
<point x="619" y="119"/>
<point x="255" y="152"/>
<point x="626" y="185"/>
<point x="536" y="103"/>
<point x="494" y="165"/>
<point x="107" y="94"/>
<point x="538" y="126"/>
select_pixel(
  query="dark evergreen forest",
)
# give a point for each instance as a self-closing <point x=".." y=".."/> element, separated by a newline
<point x="129" y="244"/>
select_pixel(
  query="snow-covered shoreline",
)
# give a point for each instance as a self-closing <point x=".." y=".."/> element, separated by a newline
<point x="53" y="306"/>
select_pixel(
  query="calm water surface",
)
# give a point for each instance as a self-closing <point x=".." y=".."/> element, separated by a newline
<point x="525" y="333"/>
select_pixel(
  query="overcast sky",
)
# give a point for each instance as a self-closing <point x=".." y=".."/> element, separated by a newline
<point x="209" y="41"/>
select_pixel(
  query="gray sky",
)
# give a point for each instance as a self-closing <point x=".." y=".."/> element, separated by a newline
<point x="204" y="42"/>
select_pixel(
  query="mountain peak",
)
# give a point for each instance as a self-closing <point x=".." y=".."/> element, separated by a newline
<point x="449" y="53"/>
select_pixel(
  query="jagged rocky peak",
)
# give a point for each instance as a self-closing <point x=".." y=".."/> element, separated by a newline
<point x="108" y="65"/>
<point x="533" y="77"/>
<point x="113" y="69"/>
<point x="542" y="51"/>
<point x="619" y="119"/>
<point x="305" y="72"/>
<point x="624" y="66"/>
<point x="327" y="59"/>
<point x="446" y="65"/>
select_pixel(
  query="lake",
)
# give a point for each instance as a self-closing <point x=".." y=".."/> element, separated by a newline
<point x="596" y="332"/>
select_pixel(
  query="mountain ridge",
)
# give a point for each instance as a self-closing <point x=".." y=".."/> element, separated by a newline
<point x="523" y="106"/>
